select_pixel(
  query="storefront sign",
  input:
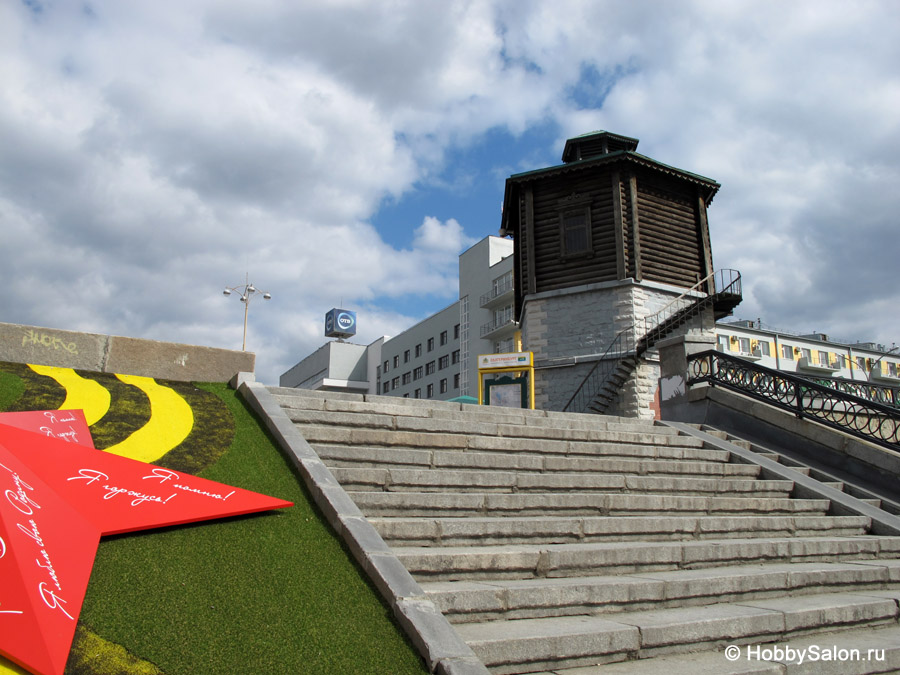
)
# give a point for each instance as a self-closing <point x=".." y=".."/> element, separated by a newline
<point x="516" y="359"/>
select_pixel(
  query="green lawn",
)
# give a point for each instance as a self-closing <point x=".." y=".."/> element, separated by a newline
<point x="266" y="593"/>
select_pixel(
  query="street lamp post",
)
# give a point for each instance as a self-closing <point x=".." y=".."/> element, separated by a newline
<point x="247" y="291"/>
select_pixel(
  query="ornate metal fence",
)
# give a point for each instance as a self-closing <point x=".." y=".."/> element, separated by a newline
<point x="877" y="393"/>
<point x="851" y="414"/>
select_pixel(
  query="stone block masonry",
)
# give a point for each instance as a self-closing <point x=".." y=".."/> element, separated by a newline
<point x="570" y="329"/>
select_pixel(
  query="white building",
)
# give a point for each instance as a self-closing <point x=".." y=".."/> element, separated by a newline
<point x="437" y="357"/>
<point x="813" y="354"/>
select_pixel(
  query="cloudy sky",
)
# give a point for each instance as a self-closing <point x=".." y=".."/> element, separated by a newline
<point x="343" y="153"/>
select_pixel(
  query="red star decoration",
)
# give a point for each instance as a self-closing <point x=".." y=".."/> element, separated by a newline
<point x="57" y="499"/>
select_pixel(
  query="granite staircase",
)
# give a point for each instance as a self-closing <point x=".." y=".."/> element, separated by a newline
<point x="555" y="542"/>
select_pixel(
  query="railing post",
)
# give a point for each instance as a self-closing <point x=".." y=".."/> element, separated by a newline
<point x="674" y="372"/>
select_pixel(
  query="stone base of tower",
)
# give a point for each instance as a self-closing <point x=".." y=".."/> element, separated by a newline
<point x="570" y="329"/>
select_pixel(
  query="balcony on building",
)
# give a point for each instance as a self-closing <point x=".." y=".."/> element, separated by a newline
<point x="501" y="293"/>
<point x="806" y="363"/>
<point x="886" y="377"/>
<point x="498" y="329"/>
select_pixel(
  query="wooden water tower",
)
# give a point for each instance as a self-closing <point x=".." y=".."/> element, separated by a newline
<point x="602" y="240"/>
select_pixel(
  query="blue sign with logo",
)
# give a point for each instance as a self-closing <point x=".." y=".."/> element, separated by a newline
<point x="340" y="323"/>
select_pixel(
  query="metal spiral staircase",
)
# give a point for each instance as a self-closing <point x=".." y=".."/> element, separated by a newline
<point x="601" y="385"/>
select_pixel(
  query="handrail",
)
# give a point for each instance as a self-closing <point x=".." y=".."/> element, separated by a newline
<point x="724" y="281"/>
<point x="692" y="289"/>
<point x="621" y="345"/>
<point x="869" y="420"/>
<point x="637" y="344"/>
<point x="878" y="393"/>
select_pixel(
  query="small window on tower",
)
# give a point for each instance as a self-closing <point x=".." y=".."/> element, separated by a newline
<point x="575" y="231"/>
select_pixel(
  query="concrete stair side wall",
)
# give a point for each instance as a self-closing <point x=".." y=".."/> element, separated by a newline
<point x="124" y="355"/>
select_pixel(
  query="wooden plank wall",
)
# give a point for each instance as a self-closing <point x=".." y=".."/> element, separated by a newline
<point x="551" y="270"/>
<point x="662" y="229"/>
<point x="671" y="246"/>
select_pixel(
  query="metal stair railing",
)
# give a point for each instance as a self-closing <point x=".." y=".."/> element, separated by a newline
<point x="871" y="421"/>
<point x="687" y="305"/>
<point x="632" y="342"/>
<point x="622" y="346"/>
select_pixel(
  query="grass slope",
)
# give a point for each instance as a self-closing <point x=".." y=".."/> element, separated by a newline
<point x="268" y="593"/>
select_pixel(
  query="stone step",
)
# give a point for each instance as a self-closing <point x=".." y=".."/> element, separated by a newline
<point x="848" y="652"/>
<point x="461" y="424"/>
<point x="459" y="504"/>
<point x="530" y="645"/>
<point x="491" y="600"/>
<point x="402" y="457"/>
<point x="725" y="436"/>
<point x="560" y="530"/>
<point x="292" y="399"/>
<point x="526" y="561"/>
<point x="634" y="446"/>
<point x="428" y="480"/>
<point x="534" y="419"/>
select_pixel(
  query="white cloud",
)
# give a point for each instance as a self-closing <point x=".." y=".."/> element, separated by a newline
<point x="155" y="152"/>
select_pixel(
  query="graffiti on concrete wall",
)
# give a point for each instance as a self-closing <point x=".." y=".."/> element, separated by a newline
<point x="49" y="341"/>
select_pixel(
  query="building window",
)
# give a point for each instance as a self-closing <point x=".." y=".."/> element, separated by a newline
<point x="407" y="377"/>
<point x="405" y="395"/>
<point x="723" y="343"/>
<point x="396" y="382"/>
<point x="431" y="344"/>
<point x="387" y="366"/>
<point x="504" y="346"/>
<point x="575" y="230"/>
<point x="444" y="338"/>
<point x="418" y="350"/>
<point x="464" y="344"/>
<point x="397" y="361"/>
<point x="456" y="332"/>
<point x="444" y="386"/>
<point x="861" y="362"/>
<point x="744" y="345"/>
<point x="406" y="356"/>
<point x="429" y="391"/>
<point x="764" y="348"/>
<point x="417" y="393"/>
<point x="454" y="357"/>
<point x="787" y="352"/>
<point x="444" y="362"/>
<point x="502" y="284"/>
<point x="502" y="316"/>
<point x="892" y="369"/>
<point x="417" y="374"/>
<point x="386" y="387"/>
<point x="806" y="354"/>
<point x="429" y="368"/>
<point x="456" y="381"/>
